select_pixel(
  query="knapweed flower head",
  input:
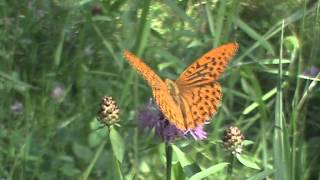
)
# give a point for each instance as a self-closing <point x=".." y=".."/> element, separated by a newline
<point x="109" y="111"/>
<point x="233" y="140"/>
<point x="151" y="117"/>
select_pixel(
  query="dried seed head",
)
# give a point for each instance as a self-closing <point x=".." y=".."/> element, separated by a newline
<point x="233" y="140"/>
<point x="109" y="111"/>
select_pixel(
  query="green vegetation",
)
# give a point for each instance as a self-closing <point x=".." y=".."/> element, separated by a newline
<point x="59" y="58"/>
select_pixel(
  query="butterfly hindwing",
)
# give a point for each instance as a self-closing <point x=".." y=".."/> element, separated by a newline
<point x="203" y="102"/>
<point x="209" y="67"/>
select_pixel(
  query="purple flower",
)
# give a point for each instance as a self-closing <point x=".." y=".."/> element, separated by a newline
<point x="58" y="92"/>
<point x="198" y="133"/>
<point x="151" y="117"/>
<point x="17" y="108"/>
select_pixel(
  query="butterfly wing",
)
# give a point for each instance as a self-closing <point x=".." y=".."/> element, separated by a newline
<point x="199" y="90"/>
<point x="159" y="89"/>
<point x="202" y="103"/>
<point x="209" y="67"/>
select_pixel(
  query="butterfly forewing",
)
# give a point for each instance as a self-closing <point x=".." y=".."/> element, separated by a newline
<point x="160" y="91"/>
<point x="209" y="67"/>
<point x="148" y="74"/>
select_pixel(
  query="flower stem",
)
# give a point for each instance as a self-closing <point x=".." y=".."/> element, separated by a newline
<point x="88" y="170"/>
<point x="169" y="160"/>
<point x="230" y="169"/>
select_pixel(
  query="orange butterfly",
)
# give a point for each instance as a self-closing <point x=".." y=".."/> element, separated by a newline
<point x="195" y="96"/>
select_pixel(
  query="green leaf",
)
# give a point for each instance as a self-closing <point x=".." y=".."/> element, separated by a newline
<point x="98" y="133"/>
<point x="275" y="61"/>
<point x="262" y="175"/>
<point x="82" y="152"/>
<point x="183" y="159"/>
<point x="291" y="43"/>
<point x="247" y="142"/>
<point x="117" y="170"/>
<point x="180" y="12"/>
<point x="117" y="144"/>
<point x="59" y="49"/>
<point x="71" y="3"/>
<point x="189" y="166"/>
<point x="69" y="170"/>
<point x="165" y="65"/>
<point x="96" y="137"/>
<point x="255" y="35"/>
<point x="209" y="171"/>
<point x="245" y="160"/>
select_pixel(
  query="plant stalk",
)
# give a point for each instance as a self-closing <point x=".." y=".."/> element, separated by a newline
<point x="230" y="169"/>
<point x="169" y="160"/>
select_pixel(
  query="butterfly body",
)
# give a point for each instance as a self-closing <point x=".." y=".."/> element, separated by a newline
<point x="173" y="90"/>
<point x="196" y="95"/>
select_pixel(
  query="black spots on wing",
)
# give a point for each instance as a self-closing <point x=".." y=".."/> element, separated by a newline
<point x="212" y="109"/>
<point x="205" y="101"/>
<point x="193" y="95"/>
<point x="189" y="72"/>
<point x="214" y="106"/>
<point x="218" y="98"/>
<point x="206" y="97"/>
<point x="199" y="74"/>
<point x="213" y="101"/>
<point x="211" y="85"/>
<point x="213" y="75"/>
<point x="218" y="90"/>
<point x="198" y="101"/>
<point x="214" y="63"/>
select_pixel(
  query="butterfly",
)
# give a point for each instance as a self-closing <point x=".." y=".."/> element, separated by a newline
<point x="195" y="96"/>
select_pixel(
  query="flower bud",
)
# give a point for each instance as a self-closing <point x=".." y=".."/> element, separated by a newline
<point x="233" y="140"/>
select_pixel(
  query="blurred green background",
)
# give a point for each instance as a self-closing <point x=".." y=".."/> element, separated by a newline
<point x="59" y="58"/>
